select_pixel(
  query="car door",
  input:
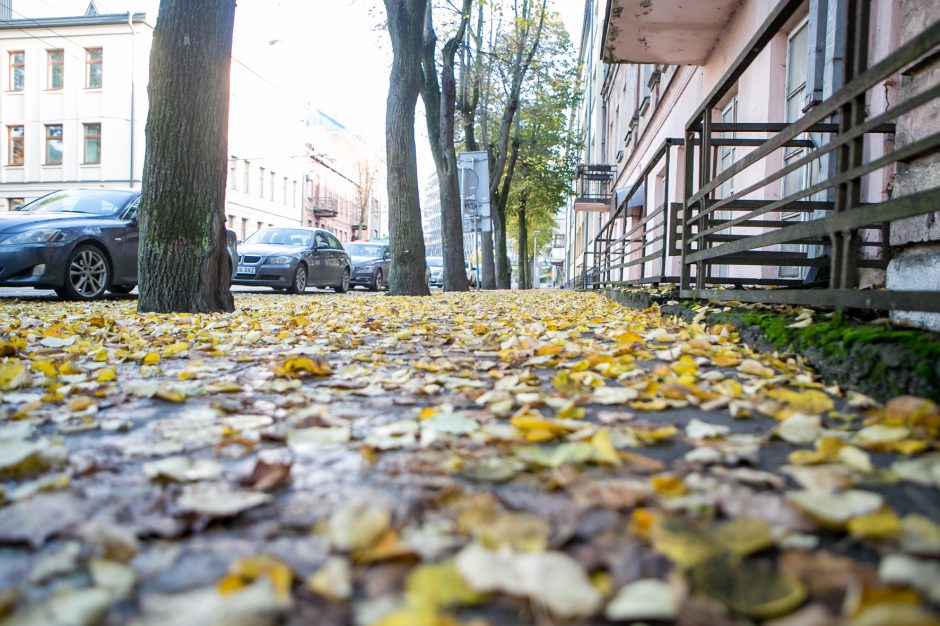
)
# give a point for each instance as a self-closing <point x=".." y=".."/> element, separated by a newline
<point x="321" y="253"/>
<point x="337" y="260"/>
<point x="131" y="242"/>
<point x="386" y="262"/>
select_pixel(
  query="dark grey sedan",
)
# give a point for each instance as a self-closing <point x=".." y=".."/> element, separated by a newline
<point x="293" y="259"/>
<point x="79" y="242"/>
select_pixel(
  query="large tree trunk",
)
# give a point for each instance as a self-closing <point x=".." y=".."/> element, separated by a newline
<point x="440" y="107"/>
<point x="409" y="266"/>
<point x="183" y="262"/>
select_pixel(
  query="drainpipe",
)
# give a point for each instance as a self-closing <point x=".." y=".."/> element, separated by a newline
<point x="130" y="24"/>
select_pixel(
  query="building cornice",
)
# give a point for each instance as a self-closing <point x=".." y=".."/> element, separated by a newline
<point x="67" y="22"/>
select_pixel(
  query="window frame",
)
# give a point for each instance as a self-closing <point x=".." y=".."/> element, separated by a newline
<point x="89" y="63"/>
<point x="50" y="69"/>
<point x="85" y="138"/>
<point x="17" y="68"/>
<point x="50" y="138"/>
<point x="11" y="141"/>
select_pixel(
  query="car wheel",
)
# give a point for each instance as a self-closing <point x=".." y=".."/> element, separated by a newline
<point x="87" y="274"/>
<point x="121" y="289"/>
<point x="298" y="283"/>
<point x="376" y="280"/>
<point x="343" y="287"/>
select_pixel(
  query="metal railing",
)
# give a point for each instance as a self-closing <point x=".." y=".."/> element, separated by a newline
<point x="812" y="239"/>
<point x="635" y="245"/>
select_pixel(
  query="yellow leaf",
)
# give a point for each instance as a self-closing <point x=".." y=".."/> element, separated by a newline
<point x="882" y="525"/>
<point x="642" y="522"/>
<point x="13" y="375"/>
<point x="246" y="570"/>
<point x="437" y="586"/>
<point x="745" y="535"/>
<point x="314" y="367"/>
<point x="427" y="413"/>
<point x="69" y="368"/>
<point x="650" y="405"/>
<point x="80" y="403"/>
<point x="669" y="485"/>
<point x="755" y="368"/>
<point x="605" y="451"/>
<point x="416" y="617"/>
<point x="106" y="375"/>
<point x="170" y="395"/>
<point x="46" y="367"/>
<point x="151" y="358"/>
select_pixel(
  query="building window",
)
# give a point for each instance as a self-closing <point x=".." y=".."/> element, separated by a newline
<point x="271" y="190"/>
<point x="93" y="68"/>
<point x="260" y="225"/>
<point x="92" y="143"/>
<point x="16" y="203"/>
<point x="55" y="70"/>
<point x="15" y="145"/>
<point x="230" y="220"/>
<point x="53" y="144"/>
<point x="295" y="196"/>
<point x="799" y="179"/>
<point x="17" y="70"/>
<point x="261" y="182"/>
<point x="244" y="228"/>
<point x="247" y="178"/>
<point x="285" y="199"/>
<point x="232" y="172"/>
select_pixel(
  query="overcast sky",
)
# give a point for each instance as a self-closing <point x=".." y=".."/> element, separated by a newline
<point x="332" y="54"/>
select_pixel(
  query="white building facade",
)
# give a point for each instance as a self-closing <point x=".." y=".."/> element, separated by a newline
<point x="73" y="104"/>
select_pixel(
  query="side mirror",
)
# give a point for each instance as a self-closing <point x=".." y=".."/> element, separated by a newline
<point x="322" y="246"/>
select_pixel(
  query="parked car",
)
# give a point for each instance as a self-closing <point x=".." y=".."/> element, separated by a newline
<point x="436" y="271"/>
<point x="370" y="264"/>
<point x="79" y="242"/>
<point x="293" y="259"/>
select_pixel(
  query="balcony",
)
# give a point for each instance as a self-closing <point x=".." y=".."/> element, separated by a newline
<point x="593" y="187"/>
<point x="670" y="32"/>
<point x="324" y="206"/>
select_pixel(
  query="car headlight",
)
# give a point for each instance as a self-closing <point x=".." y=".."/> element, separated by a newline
<point x="365" y="266"/>
<point x="39" y="235"/>
<point x="279" y="260"/>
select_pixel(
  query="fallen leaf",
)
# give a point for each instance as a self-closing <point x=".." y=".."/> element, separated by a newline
<point x="644" y="599"/>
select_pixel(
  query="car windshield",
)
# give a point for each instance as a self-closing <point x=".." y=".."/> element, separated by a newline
<point x="91" y="201"/>
<point x="282" y="237"/>
<point x="362" y="249"/>
<point x="435" y="261"/>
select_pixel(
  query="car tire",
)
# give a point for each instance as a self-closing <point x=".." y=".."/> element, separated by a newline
<point x="87" y="274"/>
<point x="376" y="280"/>
<point x="343" y="287"/>
<point x="298" y="282"/>
<point x="121" y="290"/>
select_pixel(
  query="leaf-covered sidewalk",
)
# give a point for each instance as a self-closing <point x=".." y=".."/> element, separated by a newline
<point x="484" y="458"/>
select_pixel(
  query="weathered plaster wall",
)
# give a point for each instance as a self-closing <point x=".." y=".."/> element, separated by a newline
<point x="916" y="241"/>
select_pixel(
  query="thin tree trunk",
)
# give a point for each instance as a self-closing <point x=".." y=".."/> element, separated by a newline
<point x="523" y="278"/>
<point x="182" y="258"/>
<point x="488" y="275"/>
<point x="503" y="279"/>
<point x="522" y="60"/>
<point x="440" y="108"/>
<point x="406" y="238"/>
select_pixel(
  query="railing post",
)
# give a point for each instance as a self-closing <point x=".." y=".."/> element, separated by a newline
<point x="664" y="244"/>
<point x="685" y="280"/>
<point x="845" y="245"/>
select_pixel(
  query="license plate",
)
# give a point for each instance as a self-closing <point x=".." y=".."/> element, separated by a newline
<point x="246" y="269"/>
